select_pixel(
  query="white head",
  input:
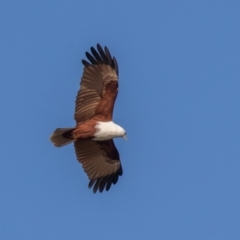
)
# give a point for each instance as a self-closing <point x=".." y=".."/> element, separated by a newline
<point x="108" y="130"/>
<point x="122" y="133"/>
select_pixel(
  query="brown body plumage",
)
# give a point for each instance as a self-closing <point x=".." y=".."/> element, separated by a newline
<point x="93" y="112"/>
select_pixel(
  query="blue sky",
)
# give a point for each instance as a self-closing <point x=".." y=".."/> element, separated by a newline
<point x="179" y="102"/>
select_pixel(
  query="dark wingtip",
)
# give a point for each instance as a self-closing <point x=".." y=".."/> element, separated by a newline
<point x="91" y="58"/>
<point x="115" y="64"/>
<point x="105" y="182"/>
<point x="86" y="63"/>
<point x="100" y="56"/>
<point x="109" y="57"/>
<point x="91" y="183"/>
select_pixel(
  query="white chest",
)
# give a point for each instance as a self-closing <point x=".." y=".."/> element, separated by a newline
<point x="108" y="130"/>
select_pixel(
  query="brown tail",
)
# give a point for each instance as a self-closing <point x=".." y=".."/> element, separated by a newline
<point x="62" y="137"/>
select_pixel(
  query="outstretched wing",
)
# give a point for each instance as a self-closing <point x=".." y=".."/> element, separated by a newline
<point x="100" y="160"/>
<point x="98" y="87"/>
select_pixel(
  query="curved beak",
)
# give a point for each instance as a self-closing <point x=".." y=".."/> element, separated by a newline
<point x="125" y="137"/>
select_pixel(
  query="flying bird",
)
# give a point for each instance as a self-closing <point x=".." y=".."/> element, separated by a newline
<point x="94" y="131"/>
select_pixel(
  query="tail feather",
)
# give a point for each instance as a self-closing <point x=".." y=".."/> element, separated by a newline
<point x="62" y="137"/>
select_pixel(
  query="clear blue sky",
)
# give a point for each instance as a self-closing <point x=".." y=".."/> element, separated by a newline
<point x="179" y="101"/>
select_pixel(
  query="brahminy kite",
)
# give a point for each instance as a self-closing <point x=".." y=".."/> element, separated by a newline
<point x="94" y="131"/>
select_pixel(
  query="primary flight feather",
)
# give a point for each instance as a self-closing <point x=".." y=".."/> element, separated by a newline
<point x="94" y="131"/>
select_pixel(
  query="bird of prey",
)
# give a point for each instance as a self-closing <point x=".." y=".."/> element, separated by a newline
<point x="94" y="131"/>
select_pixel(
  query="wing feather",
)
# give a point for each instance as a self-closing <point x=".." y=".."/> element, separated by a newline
<point x="97" y="74"/>
<point x="91" y="58"/>
<point x="100" y="160"/>
<point x="109" y="57"/>
<point x="102" y="53"/>
<point x="96" y="55"/>
<point x="86" y="63"/>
